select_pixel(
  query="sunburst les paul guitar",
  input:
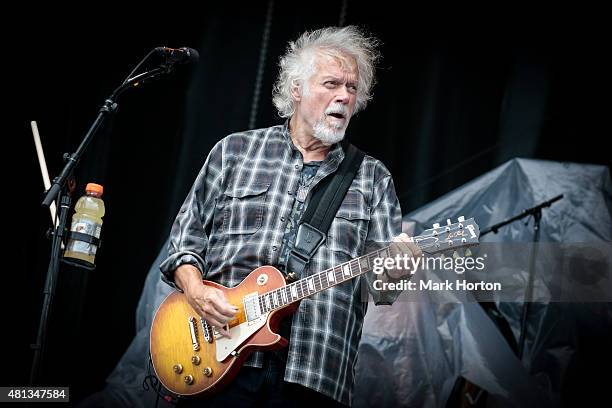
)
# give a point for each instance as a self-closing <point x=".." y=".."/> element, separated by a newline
<point x="190" y="357"/>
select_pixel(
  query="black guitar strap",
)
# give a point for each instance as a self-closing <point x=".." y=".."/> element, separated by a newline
<point x="322" y="208"/>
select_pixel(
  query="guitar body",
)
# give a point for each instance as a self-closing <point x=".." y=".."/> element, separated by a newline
<point x="187" y="362"/>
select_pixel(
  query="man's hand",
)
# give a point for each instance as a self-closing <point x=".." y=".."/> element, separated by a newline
<point x="209" y="302"/>
<point x="403" y="244"/>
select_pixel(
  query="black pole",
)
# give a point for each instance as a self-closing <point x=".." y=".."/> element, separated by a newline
<point x="537" y="216"/>
<point x="536" y="212"/>
<point x="109" y="106"/>
<point x="49" y="289"/>
<point x="530" y="211"/>
<point x="57" y="192"/>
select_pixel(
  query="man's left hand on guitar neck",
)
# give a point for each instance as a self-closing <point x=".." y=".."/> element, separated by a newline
<point x="402" y="244"/>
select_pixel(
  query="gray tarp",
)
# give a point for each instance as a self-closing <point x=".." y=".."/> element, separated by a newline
<point x="411" y="353"/>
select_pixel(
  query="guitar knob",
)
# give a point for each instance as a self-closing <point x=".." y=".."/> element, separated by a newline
<point x="178" y="368"/>
<point x="208" y="371"/>
<point x="195" y="360"/>
<point x="188" y="379"/>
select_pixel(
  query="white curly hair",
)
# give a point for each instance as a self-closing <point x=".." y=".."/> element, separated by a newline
<point x="298" y="63"/>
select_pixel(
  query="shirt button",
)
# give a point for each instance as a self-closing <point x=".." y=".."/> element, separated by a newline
<point x="282" y="219"/>
<point x="297" y="166"/>
<point x="274" y="248"/>
<point x="289" y="192"/>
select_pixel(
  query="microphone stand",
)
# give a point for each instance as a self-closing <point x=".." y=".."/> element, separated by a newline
<point x="58" y="192"/>
<point x="536" y="212"/>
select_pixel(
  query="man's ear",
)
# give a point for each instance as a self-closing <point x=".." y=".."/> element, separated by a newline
<point x="296" y="91"/>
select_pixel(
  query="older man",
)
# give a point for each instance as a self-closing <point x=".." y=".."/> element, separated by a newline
<point x="245" y="207"/>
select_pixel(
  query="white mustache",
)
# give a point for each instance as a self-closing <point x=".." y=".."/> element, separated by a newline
<point x="337" y="109"/>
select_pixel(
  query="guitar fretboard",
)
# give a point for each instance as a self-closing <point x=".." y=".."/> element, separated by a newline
<point x="319" y="281"/>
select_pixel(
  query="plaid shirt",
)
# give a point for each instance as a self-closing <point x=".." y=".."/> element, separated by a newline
<point x="233" y="221"/>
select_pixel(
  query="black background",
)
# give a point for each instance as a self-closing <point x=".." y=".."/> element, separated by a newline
<point x="457" y="95"/>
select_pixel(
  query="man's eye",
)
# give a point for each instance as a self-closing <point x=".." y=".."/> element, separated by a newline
<point x="330" y="84"/>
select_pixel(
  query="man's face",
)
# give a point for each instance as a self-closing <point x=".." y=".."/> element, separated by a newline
<point x="327" y="100"/>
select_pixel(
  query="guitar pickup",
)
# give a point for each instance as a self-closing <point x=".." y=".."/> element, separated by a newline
<point x="251" y="307"/>
<point x="206" y="330"/>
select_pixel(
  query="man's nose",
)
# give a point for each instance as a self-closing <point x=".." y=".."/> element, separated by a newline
<point x="343" y="95"/>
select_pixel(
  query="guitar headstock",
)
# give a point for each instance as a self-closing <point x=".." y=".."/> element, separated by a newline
<point x="450" y="237"/>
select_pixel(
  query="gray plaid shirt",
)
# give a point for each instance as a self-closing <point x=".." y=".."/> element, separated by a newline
<point x="233" y="221"/>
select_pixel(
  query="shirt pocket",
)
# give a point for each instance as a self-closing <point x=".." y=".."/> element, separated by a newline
<point x="243" y="208"/>
<point x="349" y="228"/>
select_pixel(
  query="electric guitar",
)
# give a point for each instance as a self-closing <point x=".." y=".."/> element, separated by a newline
<point x="191" y="357"/>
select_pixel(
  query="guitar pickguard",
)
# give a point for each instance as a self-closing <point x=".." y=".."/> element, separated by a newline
<point x="225" y="346"/>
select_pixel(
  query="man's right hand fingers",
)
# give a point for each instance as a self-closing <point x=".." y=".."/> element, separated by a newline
<point x="220" y="327"/>
<point x="211" y="304"/>
<point x="223" y="306"/>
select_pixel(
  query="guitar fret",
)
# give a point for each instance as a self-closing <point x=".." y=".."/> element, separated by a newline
<point x="294" y="292"/>
<point x="288" y="294"/>
<point x="373" y="256"/>
<point x="300" y="288"/>
<point x="284" y="296"/>
<point x="346" y="270"/>
<point x="363" y="263"/>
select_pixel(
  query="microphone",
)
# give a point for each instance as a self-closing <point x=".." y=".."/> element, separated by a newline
<point x="183" y="55"/>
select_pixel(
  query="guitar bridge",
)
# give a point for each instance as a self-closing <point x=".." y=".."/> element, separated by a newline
<point x="193" y="329"/>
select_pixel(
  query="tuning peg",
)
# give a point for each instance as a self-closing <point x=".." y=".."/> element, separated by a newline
<point x="448" y="222"/>
<point x="461" y="219"/>
<point x="456" y="255"/>
<point x="436" y="225"/>
<point x="468" y="253"/>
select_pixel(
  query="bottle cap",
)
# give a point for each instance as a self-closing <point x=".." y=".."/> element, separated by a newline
<point x="94" y="188"/>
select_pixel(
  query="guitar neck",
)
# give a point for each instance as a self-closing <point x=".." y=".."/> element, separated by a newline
<point x="435" y="240"/>
<point x="320" y="281"/>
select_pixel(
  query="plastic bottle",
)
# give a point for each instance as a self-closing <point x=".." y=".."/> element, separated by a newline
<point x="87" y="219"/>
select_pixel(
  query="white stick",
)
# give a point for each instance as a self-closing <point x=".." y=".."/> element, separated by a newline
<point x="43" y="167"/>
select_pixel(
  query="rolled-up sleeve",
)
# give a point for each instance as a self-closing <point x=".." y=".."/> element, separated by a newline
<point x="191" y="229"/>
